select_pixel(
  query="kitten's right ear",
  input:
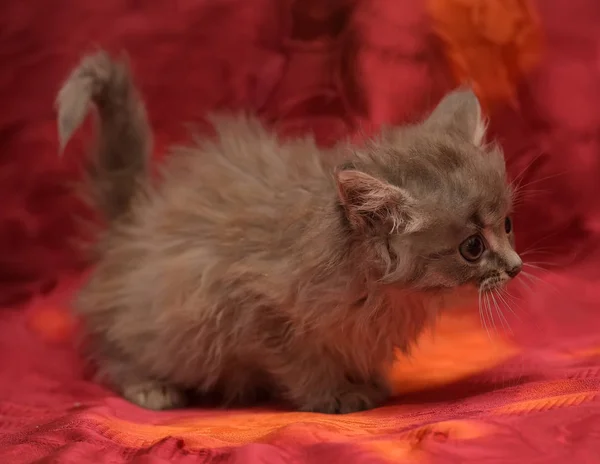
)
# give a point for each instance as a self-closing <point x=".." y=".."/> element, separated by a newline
<point x="372" y="203"/>
<point x="460" y="112"/>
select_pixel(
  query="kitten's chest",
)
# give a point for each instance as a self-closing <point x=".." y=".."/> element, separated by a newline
<point x="408" y="313"/>
<point x="393" y="320"/>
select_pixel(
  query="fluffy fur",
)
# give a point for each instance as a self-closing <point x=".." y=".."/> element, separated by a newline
<point x="254" y="266"/>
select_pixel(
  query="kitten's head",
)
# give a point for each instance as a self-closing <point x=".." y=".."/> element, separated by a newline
<point x="431" y="202"/>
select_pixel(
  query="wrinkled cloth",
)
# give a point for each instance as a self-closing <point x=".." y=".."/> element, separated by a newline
<point x="520" y="390"/>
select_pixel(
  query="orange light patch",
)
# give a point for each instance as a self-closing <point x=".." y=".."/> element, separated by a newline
<point x="54" y="324"/>
<point x="457" y="348"/>
<point x="581" y="354"/>
<point x="398" y="451"/>
<point x="252" y="426"/>
<point x="410" y="449"/>
<point x="542" y="404"/>
<point x="490" y="44"/>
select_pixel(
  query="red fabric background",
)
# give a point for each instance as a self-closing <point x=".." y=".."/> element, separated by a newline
<point x="305" y="65"/>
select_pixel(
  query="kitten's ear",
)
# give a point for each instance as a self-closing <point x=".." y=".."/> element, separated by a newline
<point x="370" y="202"/>
<point x="460" y="112"/>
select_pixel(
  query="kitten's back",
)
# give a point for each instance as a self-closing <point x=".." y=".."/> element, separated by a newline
<point x="241" y="195"/>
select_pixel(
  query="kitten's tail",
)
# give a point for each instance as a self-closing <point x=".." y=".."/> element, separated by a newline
<point x="125" y="140"/>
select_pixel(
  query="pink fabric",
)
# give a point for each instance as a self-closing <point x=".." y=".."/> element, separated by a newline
<point x="306" y="65"/>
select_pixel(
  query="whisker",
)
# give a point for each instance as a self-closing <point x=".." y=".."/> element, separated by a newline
<point x="519" y="178"/>
<point x="513" y="298"/>
<point x="489" y="312"/>
<point x="549" y="258"/>
<point x="541" y="251"/>
<point x="538" y="264"/>
<point x="545" y="237"/>
<point x="482" y="315"/>
<point x="495" y="303"/>
<point x="571" y="254"/>
<point x="520" y="196"/>
<point x="503" y="319"/>
<point x="543" y="179"/>
<point x="494" y="308"/>
<point x="523" y="191"/>
<point x="533" y="266"/>
<point x="535" y="279"/>
<point x="501" y="294"/>
<point x="525" y="284"/>
<point x="533" y="276"/>
<point x="521" y="308"/>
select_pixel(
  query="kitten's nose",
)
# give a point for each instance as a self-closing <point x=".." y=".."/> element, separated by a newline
<point x="514" y="271"/>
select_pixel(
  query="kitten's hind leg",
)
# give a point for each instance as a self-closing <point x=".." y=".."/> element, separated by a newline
<point x="139" y="389"/>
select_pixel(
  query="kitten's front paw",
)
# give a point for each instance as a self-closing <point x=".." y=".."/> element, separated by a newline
<point x="359" y="398"/>
<point x="154" y="395"/>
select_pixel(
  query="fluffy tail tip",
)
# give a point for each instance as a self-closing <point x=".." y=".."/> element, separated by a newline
<point x="85" y="83"/>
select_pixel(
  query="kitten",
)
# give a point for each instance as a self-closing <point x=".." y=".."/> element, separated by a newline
<point x="252" y="265"/>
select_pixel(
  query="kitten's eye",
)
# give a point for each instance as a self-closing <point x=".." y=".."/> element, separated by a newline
<point x="472" y="248"/>
<point x="507" y="225"/>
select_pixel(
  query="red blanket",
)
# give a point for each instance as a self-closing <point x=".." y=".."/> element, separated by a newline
<point x="524" y="393"/>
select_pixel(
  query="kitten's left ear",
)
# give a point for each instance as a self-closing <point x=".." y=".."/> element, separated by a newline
<point x="370" y="202"/>
<point x="460" y="112"/>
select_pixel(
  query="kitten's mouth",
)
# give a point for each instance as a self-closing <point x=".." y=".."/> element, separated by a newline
<point x="492" y="283"/>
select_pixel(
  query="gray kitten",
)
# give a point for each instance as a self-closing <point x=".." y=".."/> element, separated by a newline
<point x="252" y="265"/>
